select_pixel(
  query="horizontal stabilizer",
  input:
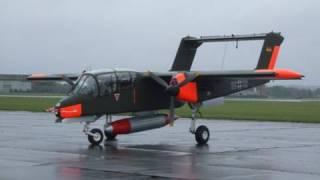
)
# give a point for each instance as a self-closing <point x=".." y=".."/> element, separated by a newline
<point x="248" y="37"/>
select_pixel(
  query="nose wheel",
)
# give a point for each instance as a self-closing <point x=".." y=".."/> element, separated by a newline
<point x="95" y="137"/>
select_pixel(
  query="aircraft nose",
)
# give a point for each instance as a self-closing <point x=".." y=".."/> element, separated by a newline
<point x="69" y="111"/>
<point x="68" y="107"/>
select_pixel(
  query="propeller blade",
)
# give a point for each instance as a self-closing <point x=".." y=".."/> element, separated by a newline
<point x="171" y="110"/>
<point x="158" y="80"/>
<point x="68" y="80"/>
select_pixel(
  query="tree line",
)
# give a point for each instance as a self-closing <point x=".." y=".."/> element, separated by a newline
<point x="292" y="92"/>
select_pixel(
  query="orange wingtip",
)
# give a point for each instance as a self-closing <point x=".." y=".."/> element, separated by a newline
<point x="283" y="73"/>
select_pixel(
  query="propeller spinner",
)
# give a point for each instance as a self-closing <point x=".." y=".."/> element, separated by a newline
<point x="174" y="88"/>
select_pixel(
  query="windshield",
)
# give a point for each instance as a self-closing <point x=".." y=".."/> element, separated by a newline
<point x="86" y="86"/>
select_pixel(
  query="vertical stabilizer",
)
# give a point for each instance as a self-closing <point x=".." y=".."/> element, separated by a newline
<point x="185" y="54"/>
<point x="270" y="51"/>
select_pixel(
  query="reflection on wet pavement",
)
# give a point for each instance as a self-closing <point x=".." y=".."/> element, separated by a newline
<point x="33" y="147"/>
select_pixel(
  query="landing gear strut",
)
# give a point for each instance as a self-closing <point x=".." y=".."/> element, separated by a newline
<point x="202" y="134"/>
<point x="110" y="137"/>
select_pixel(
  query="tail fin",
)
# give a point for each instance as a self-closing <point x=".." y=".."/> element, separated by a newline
<point x="185" y="54"/>
<point x="270" y="51"/>
<point x="189" y="45"/>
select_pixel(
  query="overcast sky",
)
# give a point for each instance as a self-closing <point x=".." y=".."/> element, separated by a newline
<point x="71" y="35"/>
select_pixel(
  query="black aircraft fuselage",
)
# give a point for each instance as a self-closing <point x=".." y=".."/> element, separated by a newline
<point x="112" y="91"/>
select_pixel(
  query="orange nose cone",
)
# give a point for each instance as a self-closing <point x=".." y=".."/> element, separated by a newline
<point x="287" y="74"/>
<point x="71" y="111"/>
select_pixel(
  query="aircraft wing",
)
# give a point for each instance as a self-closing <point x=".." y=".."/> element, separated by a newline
<point x="205" y="85"/>
<point x="263" y="74"/>
<point x="53" y="77"/>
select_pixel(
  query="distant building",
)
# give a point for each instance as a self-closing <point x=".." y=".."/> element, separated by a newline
<point x="11" y="83"/>
<point x="14" y="83"/>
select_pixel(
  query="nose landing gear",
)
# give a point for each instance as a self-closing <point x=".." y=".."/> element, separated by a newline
<point x="95" y="135"/>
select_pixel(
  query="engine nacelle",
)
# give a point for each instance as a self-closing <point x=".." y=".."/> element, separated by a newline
<point x="188" y="92"/>
<point x="136" y="124"/>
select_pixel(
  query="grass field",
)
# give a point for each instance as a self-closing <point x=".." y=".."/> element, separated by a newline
<point x="34" y="104"/>
<point x="305" y="111"/>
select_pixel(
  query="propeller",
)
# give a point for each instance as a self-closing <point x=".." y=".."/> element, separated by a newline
<point x="68" y="80"/>
<point x="173" y="89"/>
<point x="71" y="82"/>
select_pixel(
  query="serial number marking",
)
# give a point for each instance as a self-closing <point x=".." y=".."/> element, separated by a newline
<point x="239" y="84"/>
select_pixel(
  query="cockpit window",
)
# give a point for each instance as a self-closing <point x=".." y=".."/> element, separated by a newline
<point x="124" y="79"/>
<point x="86" y="86"/>
<point x="107" y="83"/>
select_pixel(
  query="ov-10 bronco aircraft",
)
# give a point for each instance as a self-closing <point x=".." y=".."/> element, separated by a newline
<point x="105" y="92"/>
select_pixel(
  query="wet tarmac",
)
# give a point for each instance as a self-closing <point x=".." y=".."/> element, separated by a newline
<point x="33" y="147"/>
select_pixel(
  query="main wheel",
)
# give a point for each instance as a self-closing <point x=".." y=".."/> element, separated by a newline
<point x="109" y="136"/>
<point x="202" y="135"/>
<point x="97" y="137"/>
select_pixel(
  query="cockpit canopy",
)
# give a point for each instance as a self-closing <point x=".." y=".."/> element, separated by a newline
<point x="86" y="85"/>
<point x="103" y="83"/>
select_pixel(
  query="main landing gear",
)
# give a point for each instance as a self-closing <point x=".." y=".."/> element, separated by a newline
<point x="202" y="133"/>
<point x="95" y="135"/>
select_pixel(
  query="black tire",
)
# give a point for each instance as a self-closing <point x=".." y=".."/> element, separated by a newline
<point x="202" y="135"/>
<point x="110" y="137"/>
<point x="95" y="140"/>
